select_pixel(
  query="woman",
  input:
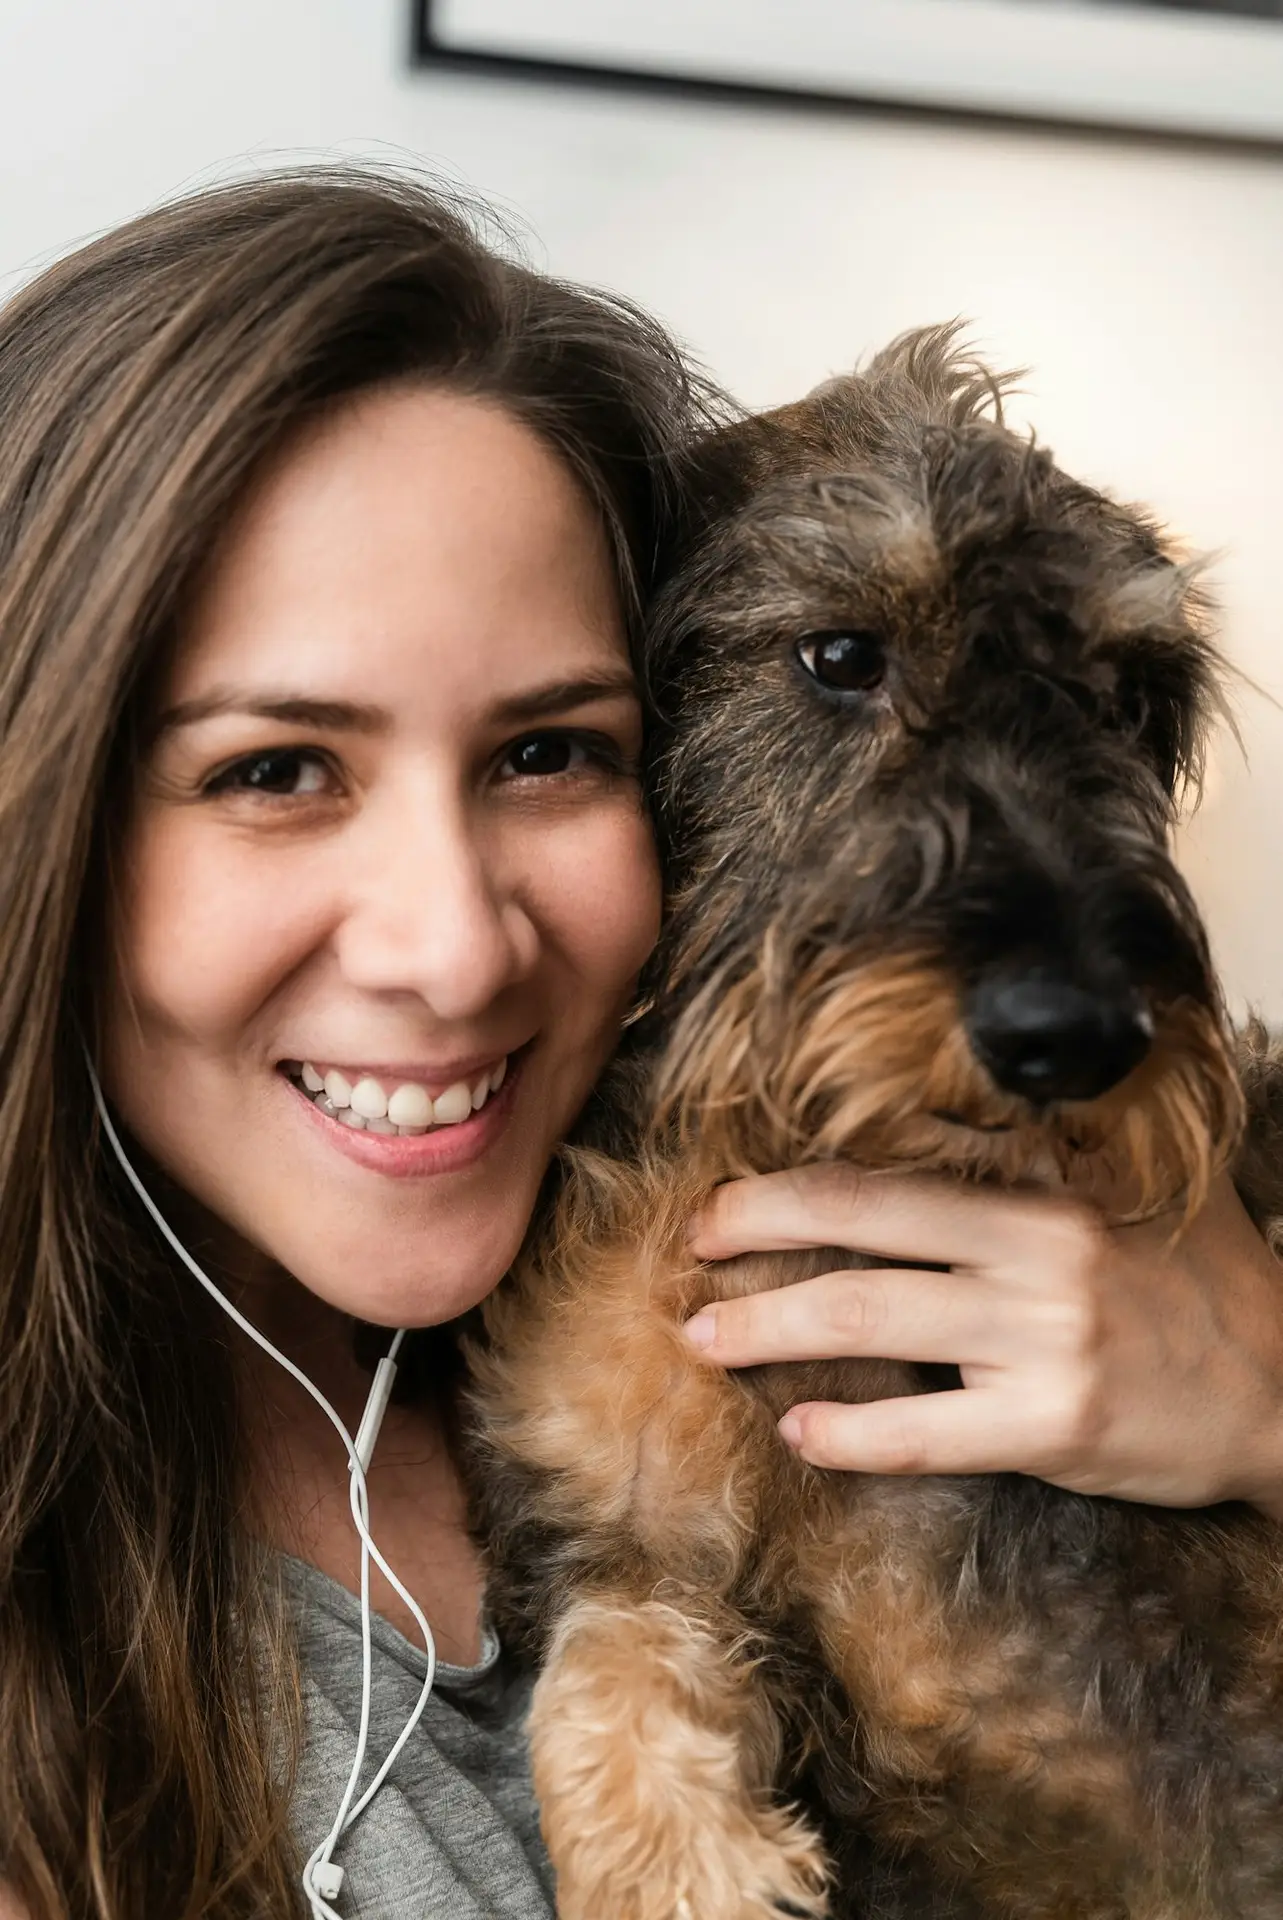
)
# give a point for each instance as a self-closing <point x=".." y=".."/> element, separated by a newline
<point x="323" y="538"/>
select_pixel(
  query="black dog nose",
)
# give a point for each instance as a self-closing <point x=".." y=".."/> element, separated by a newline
<point x="1044" y="1038"/>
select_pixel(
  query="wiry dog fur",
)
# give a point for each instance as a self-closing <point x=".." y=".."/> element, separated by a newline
<point x="768" y="1688"/>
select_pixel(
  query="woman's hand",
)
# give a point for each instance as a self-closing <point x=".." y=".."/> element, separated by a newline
<point x="1112" y="1361"/>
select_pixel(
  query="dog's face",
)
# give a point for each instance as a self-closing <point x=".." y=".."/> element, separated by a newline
<point x="934" y="700"/>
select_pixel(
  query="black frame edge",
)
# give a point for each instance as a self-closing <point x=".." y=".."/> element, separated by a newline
<point x="426" y="51"/>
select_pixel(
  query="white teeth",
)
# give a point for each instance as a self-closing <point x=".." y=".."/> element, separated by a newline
<point x="338" y="1088"/>
<point x="409" y="1109"/>
<point x="406" y="1132"/>
<point x="452" y="1106"/>
<point x="369" y="1100"/>
<point x="410" y="1106"/>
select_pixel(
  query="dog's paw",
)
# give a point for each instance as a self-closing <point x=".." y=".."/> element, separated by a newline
<point x="792" y="1871"/>
<point x="761" y="1865"/>
<point x="746" y="1865"/>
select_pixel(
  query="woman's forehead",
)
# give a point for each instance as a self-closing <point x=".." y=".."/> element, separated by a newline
<point x="413" y="532"/>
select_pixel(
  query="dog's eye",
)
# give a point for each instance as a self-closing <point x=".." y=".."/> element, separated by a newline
<point x="845" y="662"/>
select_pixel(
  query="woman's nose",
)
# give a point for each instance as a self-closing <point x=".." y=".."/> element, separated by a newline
<point x="433" y="913"/>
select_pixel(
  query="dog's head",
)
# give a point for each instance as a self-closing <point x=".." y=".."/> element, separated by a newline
<point x="927" y="705"/>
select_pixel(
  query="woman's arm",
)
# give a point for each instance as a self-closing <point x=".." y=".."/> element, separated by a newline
<point x="1112" y="1361"/>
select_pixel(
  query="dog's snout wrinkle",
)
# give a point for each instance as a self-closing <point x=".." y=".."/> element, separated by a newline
<point x="1046" y="1039"/>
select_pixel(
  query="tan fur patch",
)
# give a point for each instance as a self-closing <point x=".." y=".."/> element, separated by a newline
<point x="649" y="1433"/>
<point x="865" y="1059"/>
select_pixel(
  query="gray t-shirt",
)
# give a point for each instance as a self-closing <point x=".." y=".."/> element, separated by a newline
<point x="453" y="1834"/>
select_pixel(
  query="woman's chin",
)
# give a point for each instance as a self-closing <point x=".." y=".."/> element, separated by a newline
<point x="421" y="1291"/>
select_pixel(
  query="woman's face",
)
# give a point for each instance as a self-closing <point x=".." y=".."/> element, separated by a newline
<point x="387" y="882"/>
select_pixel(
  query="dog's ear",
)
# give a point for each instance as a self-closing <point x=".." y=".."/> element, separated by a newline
<point x="1169" y="673"/>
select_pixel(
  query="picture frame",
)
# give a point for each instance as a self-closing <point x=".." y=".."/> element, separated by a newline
<point x="1208" y="70"/>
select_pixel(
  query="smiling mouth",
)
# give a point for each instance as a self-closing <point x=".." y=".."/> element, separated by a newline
<point x="396" y="1107"/>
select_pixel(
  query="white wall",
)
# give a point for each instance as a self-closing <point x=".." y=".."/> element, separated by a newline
<point x="1143" y="286"/>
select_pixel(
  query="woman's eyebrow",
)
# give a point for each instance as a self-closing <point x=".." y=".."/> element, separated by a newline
<point x="562" y="696"/>
<point x="351" y="716"/>
<point x="294" y="709"/>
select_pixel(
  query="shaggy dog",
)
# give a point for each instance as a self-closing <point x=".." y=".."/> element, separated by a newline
<point x="925" y="704"/>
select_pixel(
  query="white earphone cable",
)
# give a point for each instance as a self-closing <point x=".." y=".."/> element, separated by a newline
<point x="322" y="1879"/>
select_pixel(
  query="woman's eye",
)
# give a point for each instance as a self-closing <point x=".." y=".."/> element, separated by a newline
<point x="845" y="662"/>
<point x="542" y="754"/>
<point x="291" y="772"/>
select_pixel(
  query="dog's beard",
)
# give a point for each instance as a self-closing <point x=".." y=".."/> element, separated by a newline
<point x="866" y="1060"/>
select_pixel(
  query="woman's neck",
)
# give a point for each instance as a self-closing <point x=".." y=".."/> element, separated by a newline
<point x="300" y="1481"/>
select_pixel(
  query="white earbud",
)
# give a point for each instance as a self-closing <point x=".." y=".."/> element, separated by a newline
<point x="322" y="1876"/>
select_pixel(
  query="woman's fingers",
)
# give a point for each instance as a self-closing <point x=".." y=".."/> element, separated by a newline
<point x="1137" y="1362"/>
<point x="901" y="1216"/>
<point x="978" y="1430"/>
<point x="893" y="1314"/>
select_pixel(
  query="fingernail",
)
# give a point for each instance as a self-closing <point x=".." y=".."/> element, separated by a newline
<point x="702" y="1330"/>
<point x="790" y="1430"/>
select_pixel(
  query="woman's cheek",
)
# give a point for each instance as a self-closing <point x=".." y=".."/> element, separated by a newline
<point x="610" y="901"/>
<point x="180" y="927"/>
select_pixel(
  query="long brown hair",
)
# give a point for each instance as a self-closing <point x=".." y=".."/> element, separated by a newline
<point x="143" y="1713"/>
